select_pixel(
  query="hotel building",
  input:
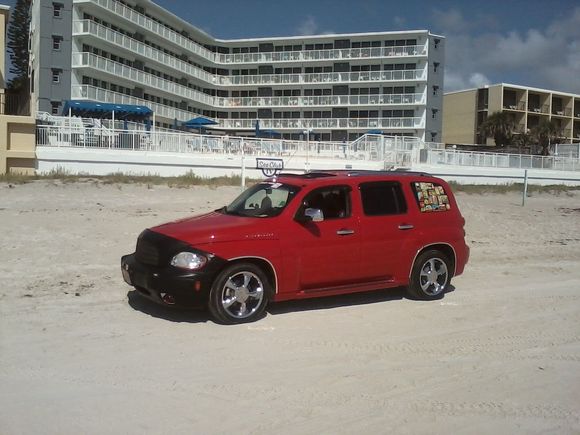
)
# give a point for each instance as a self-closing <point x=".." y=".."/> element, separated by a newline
<point x="465" y="111"/>
<point x="336" y="86"/>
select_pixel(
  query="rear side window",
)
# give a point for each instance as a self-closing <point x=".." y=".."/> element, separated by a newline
<point x="431" y="197"/>
<point x="382" y="198"/>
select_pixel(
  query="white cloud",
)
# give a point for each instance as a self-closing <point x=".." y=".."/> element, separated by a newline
<point x="545" y="58"/>
<point x="308" y="27"/>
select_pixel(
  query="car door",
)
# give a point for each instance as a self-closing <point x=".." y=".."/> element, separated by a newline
<point x="386" y="227"/>
<point x="325" y="254"/>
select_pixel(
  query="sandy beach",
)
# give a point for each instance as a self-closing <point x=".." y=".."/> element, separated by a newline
<point x="80" y="353"/>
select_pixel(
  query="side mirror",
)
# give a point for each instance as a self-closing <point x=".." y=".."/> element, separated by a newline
<point x="314" y="215"/>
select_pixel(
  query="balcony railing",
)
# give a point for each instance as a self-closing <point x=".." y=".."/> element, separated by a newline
<point x="89" y="60"/>
<point x="325" y="123"/>
<point x="104" y="33"/>
<point x="334" y="77"/>
<point x="561" y="112"/>
<point x="88" y="92"/>
<point x="245" y="58"/>
<point x="539" y="109"/>
<point x="155" y="27"/>
<point x="515" y="106"/>
<point x="325" y="100"/>
<point x="345" y="54"/>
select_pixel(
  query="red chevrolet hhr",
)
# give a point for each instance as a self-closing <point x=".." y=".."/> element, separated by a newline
<point x="302" y="236"/>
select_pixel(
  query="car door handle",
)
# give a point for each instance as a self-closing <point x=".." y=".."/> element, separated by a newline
<point x="406" y="227"/>
<point x="345" y="232"/>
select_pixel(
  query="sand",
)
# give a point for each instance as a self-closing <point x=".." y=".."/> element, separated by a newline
<point x="79" y="353"/>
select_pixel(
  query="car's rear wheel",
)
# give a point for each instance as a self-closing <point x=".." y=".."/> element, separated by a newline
<point x="430" y="276"/>
<point x="239" y="294"/>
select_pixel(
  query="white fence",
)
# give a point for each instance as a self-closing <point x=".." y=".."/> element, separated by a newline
<point x="500" y="160"/>
<point x="392" y="151"/>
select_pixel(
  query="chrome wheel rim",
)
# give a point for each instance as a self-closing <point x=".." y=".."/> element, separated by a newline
<point x="433" y="276"/>
<point x="242" y="294"/>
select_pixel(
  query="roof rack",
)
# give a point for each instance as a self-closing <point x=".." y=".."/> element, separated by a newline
<point x="353" y="173"/>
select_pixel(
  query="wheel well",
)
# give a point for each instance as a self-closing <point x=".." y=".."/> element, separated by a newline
<point x="447" y="250"/>
<point x="262" y="264"/>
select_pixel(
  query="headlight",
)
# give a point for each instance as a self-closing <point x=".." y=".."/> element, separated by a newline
<point x="188" y="260"/>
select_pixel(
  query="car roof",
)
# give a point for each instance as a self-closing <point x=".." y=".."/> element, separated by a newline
<point x="341" y="175"/>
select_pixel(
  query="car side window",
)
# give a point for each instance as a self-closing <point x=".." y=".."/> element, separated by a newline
<point x="334" y="202"/>
<point x="380" y="198"/>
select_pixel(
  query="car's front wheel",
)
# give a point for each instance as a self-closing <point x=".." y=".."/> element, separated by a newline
<point x="430" y="276"/>
<point x="239" y="294"/>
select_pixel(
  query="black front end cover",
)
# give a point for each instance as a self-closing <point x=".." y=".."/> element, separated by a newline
<point x="150" y="272"/>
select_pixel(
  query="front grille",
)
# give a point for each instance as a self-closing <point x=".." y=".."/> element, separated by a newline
<point x="146" y="252"/>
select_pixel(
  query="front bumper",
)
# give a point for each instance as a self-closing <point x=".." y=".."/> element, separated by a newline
<point x="168" y="286"/>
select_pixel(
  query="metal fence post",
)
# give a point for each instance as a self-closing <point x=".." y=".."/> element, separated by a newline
<point x="525" y="187"/>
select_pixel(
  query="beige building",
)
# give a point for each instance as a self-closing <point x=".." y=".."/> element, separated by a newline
<point x="464" y="111"/>
<point x="17" y="133"/>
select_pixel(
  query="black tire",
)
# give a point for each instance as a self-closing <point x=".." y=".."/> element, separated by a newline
<point x="430" y="276"/>
<point x="239" y="294"/>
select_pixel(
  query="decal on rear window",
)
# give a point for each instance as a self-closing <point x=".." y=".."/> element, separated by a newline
<point x="431" y="197"/>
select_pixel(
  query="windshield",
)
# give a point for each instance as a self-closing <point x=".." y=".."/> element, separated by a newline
<point x="262" y="200"/>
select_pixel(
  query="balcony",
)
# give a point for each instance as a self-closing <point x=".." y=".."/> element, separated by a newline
<point x="87" y="92"/>
<point x="326" y="123"/>
<point x="334" y="77"/>
<point x="562" y="112"/>
<point x="345" y="54"/>
<point x="521" y="106"/>
<point x="88" y="27"/>
<point x="248" y="58"/>
<point x="116" y="69"/>
<point x="541" y="109"/>
<point x="325" y="100"/>
<point x="154" y="27"/>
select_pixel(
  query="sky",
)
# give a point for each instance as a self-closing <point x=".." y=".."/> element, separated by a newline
<point x="531" y="43"/>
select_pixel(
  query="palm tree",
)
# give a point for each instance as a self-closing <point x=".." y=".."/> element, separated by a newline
<point x="500" y="126"/>
<point x="523" y="140"/>
<point x="546" y="134"/>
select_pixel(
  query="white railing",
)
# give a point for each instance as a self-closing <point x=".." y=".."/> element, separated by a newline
<point x="500" y="160"/>
<point x="326" y="123"/>
<point x="331" y="54"/>
<point x="77" y="136"/>
<point x="104" y="33"/>
<point x="155" y="27"/>
<point x="333" y="77"/>
<point x="89" y="60"/>
<point x="141" y="78"/>
<point x="287" y="56"/>
<point x="393" y="151"/>
<point x="325" y="100"/>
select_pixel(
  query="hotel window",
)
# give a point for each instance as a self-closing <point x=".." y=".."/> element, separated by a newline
<point x="56" y="42"/>
<point x="434" y="113"/>
<point x="56" y="75"/>
<point x="435" y="66"/>
<point x="54" y="107"/>
<point x="435" y="90"/>
<point x="56" y="10"/>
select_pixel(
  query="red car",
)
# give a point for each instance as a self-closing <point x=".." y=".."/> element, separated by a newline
<point x="303" y="236"/>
